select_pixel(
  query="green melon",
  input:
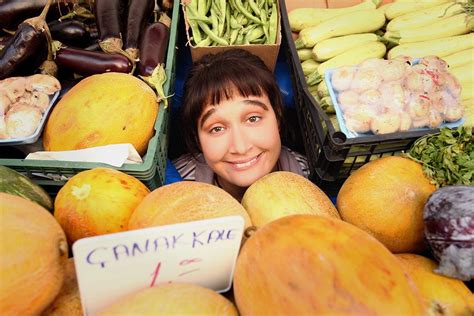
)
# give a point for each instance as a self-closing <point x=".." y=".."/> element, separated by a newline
<point x="15" y="183"/>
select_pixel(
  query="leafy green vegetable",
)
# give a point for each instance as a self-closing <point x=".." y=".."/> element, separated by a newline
<point x="447" y="157"/>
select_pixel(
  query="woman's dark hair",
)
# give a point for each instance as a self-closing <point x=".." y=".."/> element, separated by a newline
<point x="212" y="80"/>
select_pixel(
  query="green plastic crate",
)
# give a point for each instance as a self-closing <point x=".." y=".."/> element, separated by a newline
<point x="151" y="172"/>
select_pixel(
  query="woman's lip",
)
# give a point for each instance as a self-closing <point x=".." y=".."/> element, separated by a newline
<point x="244" y="164"/>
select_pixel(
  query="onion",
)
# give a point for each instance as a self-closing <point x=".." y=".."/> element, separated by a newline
<point x="449" y="229"/>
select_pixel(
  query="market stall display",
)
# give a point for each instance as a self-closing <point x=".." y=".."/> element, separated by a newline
<point x="78" y="60"/>
<point x="398" y="238"/>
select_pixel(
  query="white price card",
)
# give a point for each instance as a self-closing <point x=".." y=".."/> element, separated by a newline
<point x="111" y="266"/>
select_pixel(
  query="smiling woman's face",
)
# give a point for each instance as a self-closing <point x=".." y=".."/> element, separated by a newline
<point x="240" y="139"/>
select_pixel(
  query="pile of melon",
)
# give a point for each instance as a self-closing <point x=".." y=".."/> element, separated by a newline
<point x="301" y="255"/>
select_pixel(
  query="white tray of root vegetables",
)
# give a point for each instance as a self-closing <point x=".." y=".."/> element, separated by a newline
<point x="381" y="96"/>
<point x="25" y="103"/>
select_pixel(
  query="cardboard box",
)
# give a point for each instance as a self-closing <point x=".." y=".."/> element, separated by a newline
<point x="267" y="52"/>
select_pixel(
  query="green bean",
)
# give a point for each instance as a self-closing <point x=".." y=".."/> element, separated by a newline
<point x="202" y="7"/>
<point x="244" y="11"/>
<point x="212" y="35"/>
<point x="263" y="17"/>
<point x="234" y="24"/>
<point x="193" y="24"/>
<point x="204" y="19"/>
<point x="205" y="42"/>
<point x="215" y="21"/>
<point x="233" y="36"/>
<point x="254" y="7"/>
<point x="227" y="20"/>
<point x="273" y="26"/>
<point x="255" y="33"/>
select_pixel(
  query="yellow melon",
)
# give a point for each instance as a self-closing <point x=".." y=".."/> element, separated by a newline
<point x="284" y="193"/>
<point x="184" y="202"/>
<point x="108" y="108"/>
<point x="96" y="202"/>
<point x="33" y="256"/>
<point x="313" y="265"/>
<point x="444" y="295"/>
<point x="385" y="197"/>
<point x="172" y="299"/>
<point x="68" y="301"/>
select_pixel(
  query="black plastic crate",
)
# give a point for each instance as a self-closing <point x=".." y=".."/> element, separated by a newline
<point x="331" y="156"/>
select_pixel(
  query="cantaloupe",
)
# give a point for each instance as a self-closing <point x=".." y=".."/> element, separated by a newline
<point x="97" y="202"/>
<point x="33" y="256"/>
<point x="172" y="299"/>
<point x="385" y="197"/>
<point x="185" y="201"/>
<point x="312" y="265"/>
<point x="103" y="109"/>
<point x="285" y="193"/>
<point x="68" y="301"/>
<point x="444" y="295"/>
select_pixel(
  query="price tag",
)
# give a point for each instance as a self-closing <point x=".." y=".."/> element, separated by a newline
<point x="111" y="266"/>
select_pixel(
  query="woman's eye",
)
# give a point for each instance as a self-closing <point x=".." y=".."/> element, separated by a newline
<point x="216" y="129"/>
<point x="254" y="119"/>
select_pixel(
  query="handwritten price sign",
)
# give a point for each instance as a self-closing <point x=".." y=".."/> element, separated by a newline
<point x="111" y="266"/>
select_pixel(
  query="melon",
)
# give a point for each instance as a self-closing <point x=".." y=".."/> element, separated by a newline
<point x="185" y="201"/>
<point x="385" y="197"/>
<point x="68" y="301"/>
<point x="313" y="265"/>
<point x="15" y="183"/>
<point x="444" y="295"/>
<point x="33" y="256"/>
<point x="172" y="299"/>
<point x="97" y="202"/>
<point x="267" y="199"/>
<point x="103" y="109"/>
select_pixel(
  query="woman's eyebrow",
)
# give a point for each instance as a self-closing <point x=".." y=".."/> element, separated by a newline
<point x="257" y="103"/>
<point x="206" y="115"/>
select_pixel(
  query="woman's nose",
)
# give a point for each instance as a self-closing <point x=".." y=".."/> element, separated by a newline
<point x="240" y="143"/>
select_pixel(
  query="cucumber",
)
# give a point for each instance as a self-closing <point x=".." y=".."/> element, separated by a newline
<point x="332" y="47"/>
<point x="439" y="47"/>
<point x="364" y="21"/>
<point x="15" y="183"/>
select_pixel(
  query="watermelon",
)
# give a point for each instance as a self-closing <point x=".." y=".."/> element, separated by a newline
<point x="15" y="183"/>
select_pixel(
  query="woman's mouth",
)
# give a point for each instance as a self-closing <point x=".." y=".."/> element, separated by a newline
<point x="245" y="164"/>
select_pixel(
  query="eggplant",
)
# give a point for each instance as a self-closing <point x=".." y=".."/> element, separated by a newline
<point x="108" y="16"/>
<point x="153" y="46"/>
<point x="87" y="63"/>
<point x="449" y="229"/>
<point x="28" y="48"/>
<point x="71" y="33"/>
<point x="14" y="12"/>
<point x="139" y="11"/>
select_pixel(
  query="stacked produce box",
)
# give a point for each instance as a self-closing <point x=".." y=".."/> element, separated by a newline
<point x="98" y="51"/>
<point x="331" y="37"/>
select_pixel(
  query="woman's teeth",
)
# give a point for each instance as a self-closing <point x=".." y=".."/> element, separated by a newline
<point x="245" y="164"/>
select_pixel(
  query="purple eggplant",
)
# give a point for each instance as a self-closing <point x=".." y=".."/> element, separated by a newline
<point x="71" y="33"/>
<point x="86" y="63"/>
<point x="14" y="12"/>
<point x="139" y="11"/>
<point x="108" y="16"/>
<point x="153" y="46"/>
<point x="28" y="48"/>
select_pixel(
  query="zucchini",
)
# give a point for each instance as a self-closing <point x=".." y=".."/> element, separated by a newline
<point x="460" y="58"/>
<point x="332" y="47"/>
<point x="423" y="17"/>
<point x="323" y="89"/>
<point x="397" y="9"/>
<point x="454" y="25"/>
<point x="304" y="53"/>
<point x="306" y="17"/>
<point x="468" y="112"/>
<point x="349" y="58"/>
<point x="463" y="73"/>
<point x="439" y="47"/>
<point x="363" y="21"/>
<point x="309" y="66"/>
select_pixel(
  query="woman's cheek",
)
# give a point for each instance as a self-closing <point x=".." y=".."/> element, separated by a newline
<point x="214" y="147"/>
